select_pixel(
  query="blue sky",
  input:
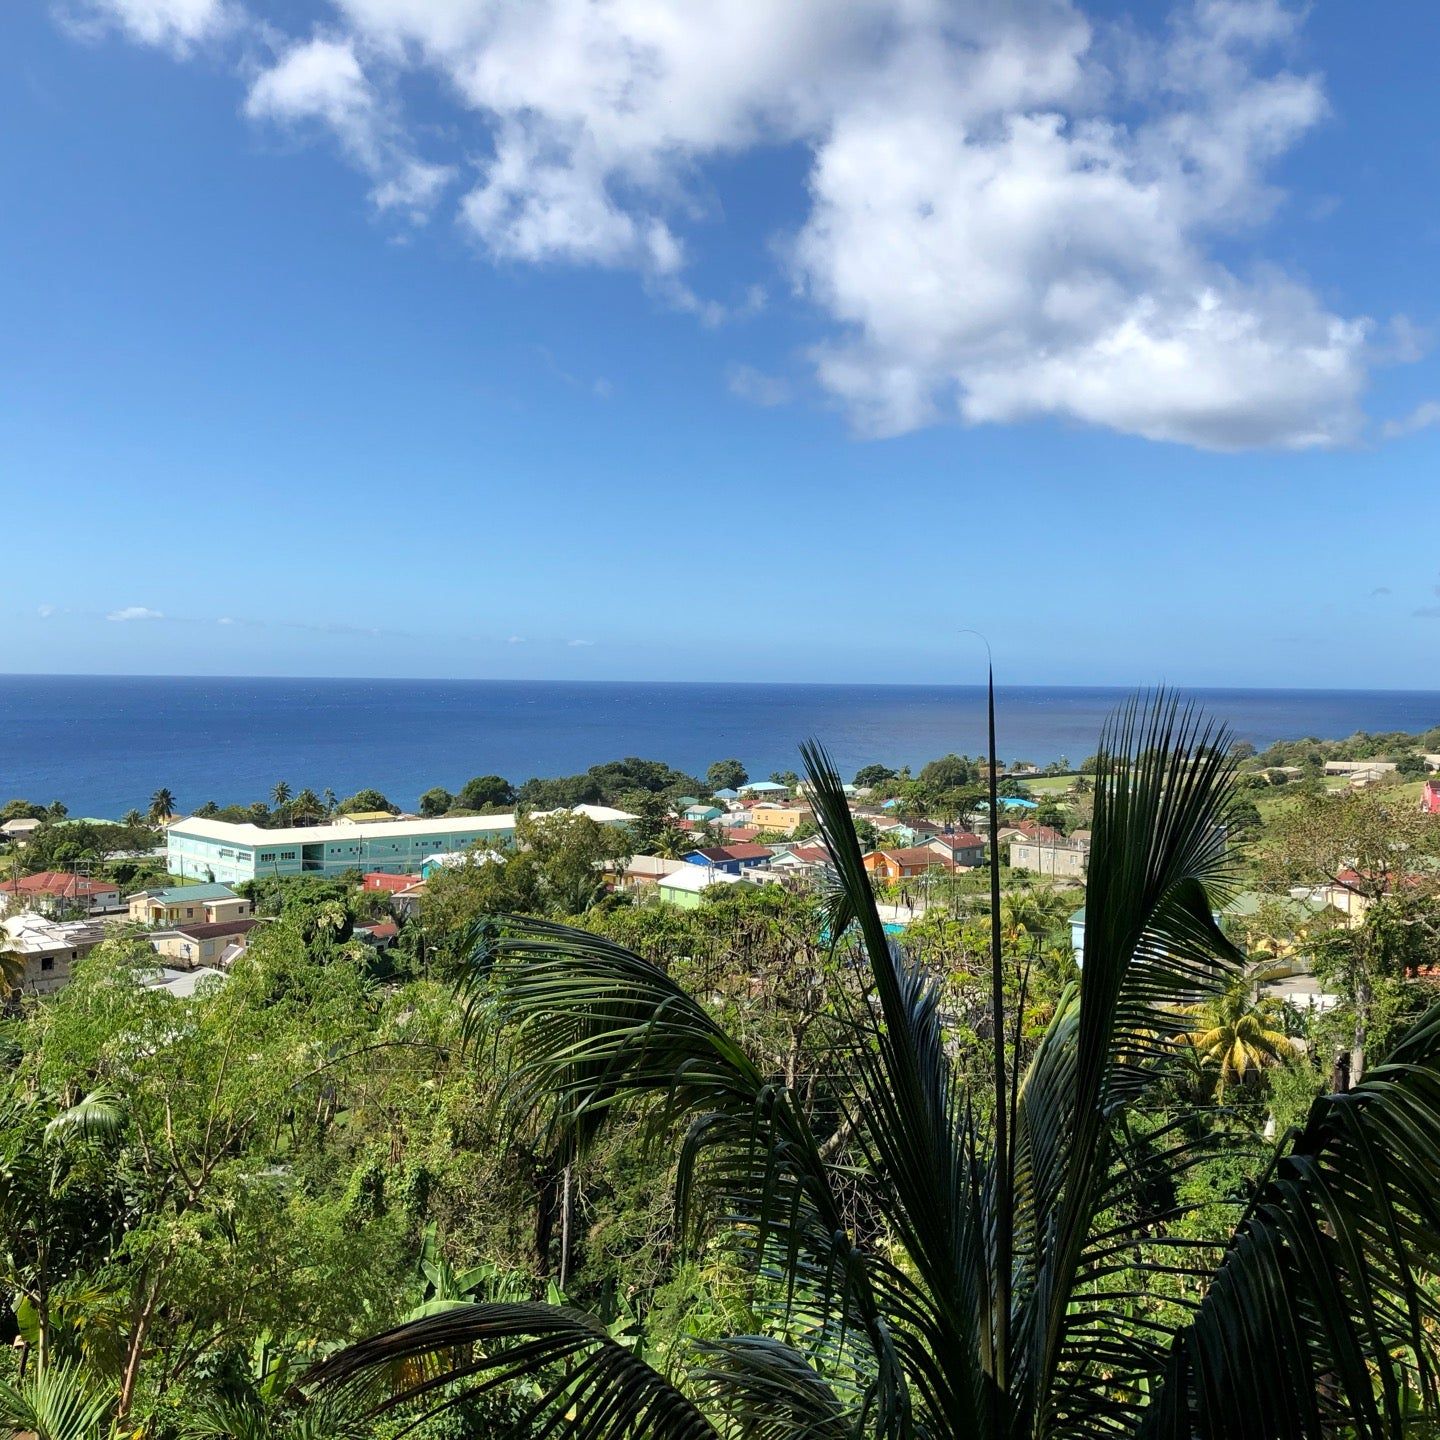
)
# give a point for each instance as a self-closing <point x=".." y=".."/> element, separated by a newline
<point x="712" y="341"/>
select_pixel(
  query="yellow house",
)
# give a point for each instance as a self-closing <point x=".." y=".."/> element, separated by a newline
<point x="188" y="904"/>
<point x="193" y="945"/>
<point x="783" y="819"/>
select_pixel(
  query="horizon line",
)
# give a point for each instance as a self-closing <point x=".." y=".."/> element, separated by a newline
<point x="1130" y="687"/>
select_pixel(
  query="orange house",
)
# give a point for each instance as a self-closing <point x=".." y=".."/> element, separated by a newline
<point x="901" y="864"/>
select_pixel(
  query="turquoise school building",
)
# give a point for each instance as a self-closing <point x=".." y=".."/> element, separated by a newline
<point x="212" y="850"/>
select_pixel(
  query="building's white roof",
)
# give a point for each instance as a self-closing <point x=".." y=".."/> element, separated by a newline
<point x="696" y="877"/>
<point x="33" y="934"/>
<point x="601" y="814"/>
<point x="20" y="827"/>
<point x="321" y="834"/>
<point x="180" y="983"/>
<point x="455" y="859"/>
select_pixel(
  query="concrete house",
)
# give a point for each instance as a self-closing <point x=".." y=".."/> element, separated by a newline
<point x="684" y="887"/>
<point x="770" y="790"/>
<point x="192" y="945"/>
<point x="732" y="859"/>
<point x="49" y="948"/>
<point x="902" y="864"/>
<point x="1062" y="858"/>
<point x="783" y="819"/>
<point x="58" y="892"/>
<point x="187" y="904"/>
<point x="962" y="849"/>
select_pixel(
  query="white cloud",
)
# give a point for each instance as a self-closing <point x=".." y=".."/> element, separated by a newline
<point x="580" y="644"/>
<point x="1422" y="417"/>
<point x="745" y="382"/>
<point x="44" y="611"/>
<point x="135" y="612"/>
<point x="1012" y="211"/>
<point x="322" y="80"/>
<point x="175" y="24"/>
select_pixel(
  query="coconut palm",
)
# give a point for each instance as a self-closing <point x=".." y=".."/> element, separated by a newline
<point x="280" y="794"/>
<point x="132" y="818"/>
<point x="305" y="808"/>
<point x="1237" y="1035"/>
<point x="1009" y="1261"/>
<point x="1028" y="916"/>
<point x="162" y="806"/>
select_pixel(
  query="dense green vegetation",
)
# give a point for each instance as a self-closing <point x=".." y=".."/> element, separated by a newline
<point x="484" y="1120"/>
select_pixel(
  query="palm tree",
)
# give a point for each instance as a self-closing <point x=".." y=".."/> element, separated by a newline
<point x="305" y="808"/>
<point x="132" y="818"/>
<point x="162" y="806"/>
<point x="330" y="799"/>
<point x="280" y="794"/>
<point x="1003" y="1261"/>
<point x="1238" y="1034"/>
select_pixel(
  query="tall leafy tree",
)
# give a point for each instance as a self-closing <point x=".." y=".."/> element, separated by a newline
<point x="162" y="806"/>
<point x="936" y="1259"/>
<point x="726" y="775"/>
<point x="280" y="795"/>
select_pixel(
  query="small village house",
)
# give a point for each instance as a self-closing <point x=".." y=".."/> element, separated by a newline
<point x="59" y="893"/>
<point x="732" y="859"/>
<point x="902" y="864"/>
<point x="962" y="849"/>
<point x="684" y="887"/>
<point x="178" y="904"/>
<point x="48" y="947"/>
<point x="215" y="945"/>
<point x="781" y="819"/>
<point x="1046" y="852"/>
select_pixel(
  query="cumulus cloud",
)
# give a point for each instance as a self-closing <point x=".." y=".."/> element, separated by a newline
<point x="747" y="383"/>
<point x="175" y="24"/>
<point x="322" y="80"/>
<point x="1422" y="417"/>
<point x="1014" y="210"/>
<point x="135" y="612"/>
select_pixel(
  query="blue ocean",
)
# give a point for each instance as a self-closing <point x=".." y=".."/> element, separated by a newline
<point x="104" y="744"/>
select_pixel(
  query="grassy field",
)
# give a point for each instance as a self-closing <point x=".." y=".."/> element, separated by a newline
<point x="1050" y="784"/>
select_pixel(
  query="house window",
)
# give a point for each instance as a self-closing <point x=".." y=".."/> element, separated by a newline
<point x="47" y="962"/>
<point x="190" y="913"/>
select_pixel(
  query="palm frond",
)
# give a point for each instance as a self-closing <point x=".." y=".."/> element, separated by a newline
<point x="100" y="1115"/>
<point x="932" y="1187"/>
<point x="1158" y="867"/>
<point x="60" y="1402"/>
<point x="768" y="1390"/>
<point x="1322" y="1312"/>
<point x="598" y="1027"/>
<point x="578" y="1380"/>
